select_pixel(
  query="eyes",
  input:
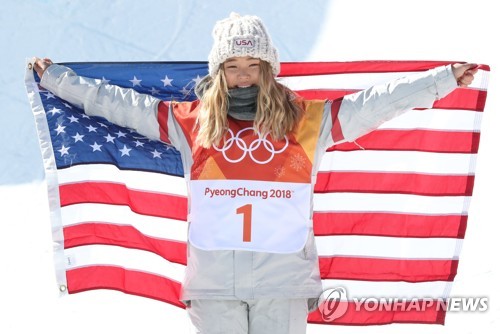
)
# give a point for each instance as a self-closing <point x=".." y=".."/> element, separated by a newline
<point x="233" y="66"/>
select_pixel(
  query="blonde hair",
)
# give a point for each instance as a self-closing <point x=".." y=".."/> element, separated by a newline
<point x="277" y="112"/>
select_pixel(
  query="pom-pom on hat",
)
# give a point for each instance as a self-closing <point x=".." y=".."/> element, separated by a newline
<point x="241" y="36"/>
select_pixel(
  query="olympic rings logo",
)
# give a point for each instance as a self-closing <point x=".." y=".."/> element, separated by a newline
<point x="262" y="140"/>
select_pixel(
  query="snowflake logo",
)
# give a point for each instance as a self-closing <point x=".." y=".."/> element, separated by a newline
<point x="297" y="162"/>
<point x="279" y="172"/>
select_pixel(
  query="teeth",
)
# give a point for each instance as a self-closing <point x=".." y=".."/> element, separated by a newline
<point x="244" y="86"/>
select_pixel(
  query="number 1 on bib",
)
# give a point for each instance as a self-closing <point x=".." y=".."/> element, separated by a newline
<point x="246" y="211"/>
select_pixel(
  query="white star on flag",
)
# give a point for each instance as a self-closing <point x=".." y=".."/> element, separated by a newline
<point x="78" y="137"/>
<point x="49" y="95"/>
<point x="60" y="129"/>
<point x="156" y="154"/>
<point x="96" y="147"/>
<point x="54" y="111"/>
<point x="167" y="81"/>
<point x="91" y="128"/>
<point x="110" y="139"/>
<point x="135" y="82"/>
<point x="120" y="134"/>
<point x="72" y="119"/>
<point x="125" y="150"/>
<point x="63" y="150"/>
<point x="197" y="80"/>
<point x="185" y="92"/>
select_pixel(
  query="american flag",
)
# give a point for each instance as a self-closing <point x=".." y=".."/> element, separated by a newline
<point x="390" y="214"/>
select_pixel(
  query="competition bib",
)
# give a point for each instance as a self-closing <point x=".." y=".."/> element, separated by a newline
<point x="249" y="215"/>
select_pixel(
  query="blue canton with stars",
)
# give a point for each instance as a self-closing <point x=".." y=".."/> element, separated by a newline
<point x="80" y="139"/>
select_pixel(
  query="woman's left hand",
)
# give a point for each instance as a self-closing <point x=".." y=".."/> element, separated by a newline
<point x="464" y="73"/>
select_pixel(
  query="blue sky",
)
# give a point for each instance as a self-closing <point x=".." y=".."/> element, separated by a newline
<point x="154" y="30"/>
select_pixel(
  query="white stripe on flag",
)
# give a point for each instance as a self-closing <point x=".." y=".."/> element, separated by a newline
<point x="388" y="247"/>
<point x="132" y="259"/>
<point x="398" y="161"/>
<point x="394" y="203"/>
<point x="368" y="289"/>
<point x="138" y="180"/>
<point x="156" y="227"/>
<point x="361" y="80"/>
<point x="436" y="119"/>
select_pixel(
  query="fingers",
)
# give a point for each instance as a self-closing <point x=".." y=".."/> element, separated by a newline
<point x="467" y="77"/>
<point x="40" y="65"/>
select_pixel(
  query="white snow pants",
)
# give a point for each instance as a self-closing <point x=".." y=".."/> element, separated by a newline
<point x="259" y="316"/>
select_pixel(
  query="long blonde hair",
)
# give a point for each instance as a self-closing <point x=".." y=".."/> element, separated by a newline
<point x="277" y="111"/>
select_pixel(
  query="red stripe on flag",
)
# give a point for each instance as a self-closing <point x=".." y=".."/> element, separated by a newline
<point x="421" y="311"/>
<point x="415" y="140"/>
<point x="391" y="182"/>
<point x="153" y="204"/>
<point x="337" y="134"/>
<point x="90" y="233"/>
<point x="371" y="66"/>
<point x="377" y="269"/>
<point x="464" y="99"/>
<point x="163" y="108"/>
<point x="124" y="280"/>
<point x="389" y="224"/>
<point x="319" y="68"/>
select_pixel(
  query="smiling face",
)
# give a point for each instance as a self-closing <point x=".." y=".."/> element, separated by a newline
<point x="241" y="71"/>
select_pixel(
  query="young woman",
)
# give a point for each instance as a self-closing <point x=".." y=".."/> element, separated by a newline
<point x="251" y="150"/>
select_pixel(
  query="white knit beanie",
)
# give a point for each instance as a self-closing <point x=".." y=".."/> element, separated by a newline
<point x="241" y="36"/>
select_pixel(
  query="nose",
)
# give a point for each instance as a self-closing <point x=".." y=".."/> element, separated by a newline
<point x="243" y="73"/>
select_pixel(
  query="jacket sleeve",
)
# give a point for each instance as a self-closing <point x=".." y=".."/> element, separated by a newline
<point x="360" y="113"/>
<point x="122" y="106"/>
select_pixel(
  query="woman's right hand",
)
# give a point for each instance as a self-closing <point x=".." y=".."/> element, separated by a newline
<point x="40" y="65"/>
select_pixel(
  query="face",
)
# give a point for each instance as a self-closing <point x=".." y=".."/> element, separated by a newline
<point x="241" y="71"/>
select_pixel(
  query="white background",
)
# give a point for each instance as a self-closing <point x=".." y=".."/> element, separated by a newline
<point x="154" y="30"/>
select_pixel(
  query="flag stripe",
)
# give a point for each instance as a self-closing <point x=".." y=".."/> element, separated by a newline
<point x="125" y="280"/>
<point x="380" y="269"/>
<point x="330" y="267"/>
<point x="447" y="120"/>
<point x="388" y="247"/>
<point x="414" y="140"/>
<point x="125" y="236"/>
<point x="391" y="203"/>
<point x="458" y="99"/>
<point x="159" y="205"/>
<point x="401" y="183"/>
<point x="426" y="312"/>
<point x="132" y="258"/>
<point x="398" y="161"/>
<point x="158" y="227"/>
<point x="378" y="66"/>
<point x="390" y="289"/>
<point x="163" y="121"/>
<point x="389" y="224"/>
<point x="361" y="80"/>
<point x="337" y="134"/>
<point x="135" y="179"/>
